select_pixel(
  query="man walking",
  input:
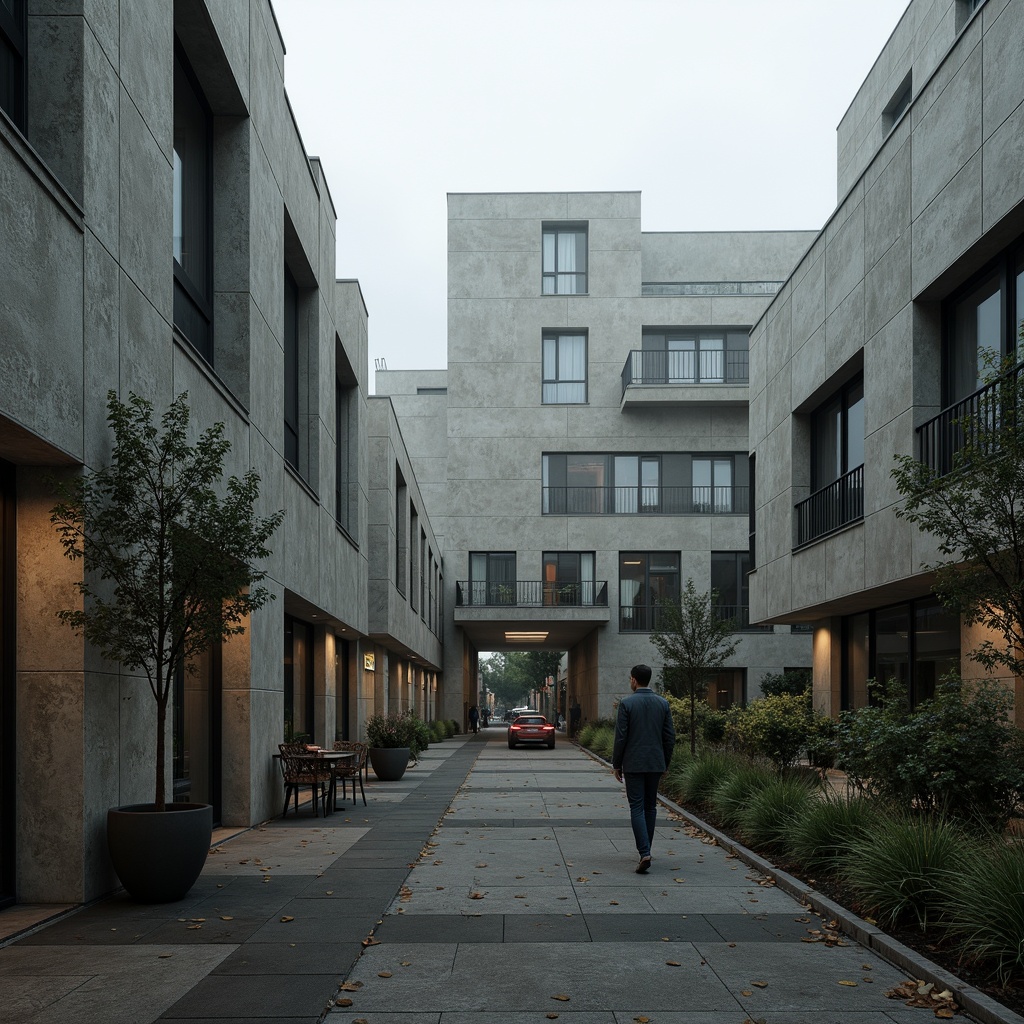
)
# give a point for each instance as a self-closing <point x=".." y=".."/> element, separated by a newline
<point x="644" y="741"/>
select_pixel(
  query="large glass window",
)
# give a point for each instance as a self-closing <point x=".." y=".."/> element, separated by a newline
<point x="291" y="370"/>
<point x="837" y="435"/>
<point x="568" y="577"/>
<point x="564" y="358"/>
<point x="346" y="445"/>
<point x="564" y="259"/>
<point x="706" y="355"/>
<point x="8" y="682"/>
<point x="12" y="60"/>
<point x="730" y="585"/>
<point x="298" y="680"/>
<point x="646" y="580"/>
<point x="492" y="577"/>
<point x="197" y="730"/>
<point x="192" y="204"/>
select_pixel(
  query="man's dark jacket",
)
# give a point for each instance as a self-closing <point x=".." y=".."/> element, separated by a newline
<point x="644" y="734"/>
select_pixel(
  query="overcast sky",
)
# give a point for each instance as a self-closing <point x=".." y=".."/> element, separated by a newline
<point x="721" y="114"/>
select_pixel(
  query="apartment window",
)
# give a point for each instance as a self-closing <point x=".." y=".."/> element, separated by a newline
<point x="492" y="577"/>
<point x="965" y="11"/>
<point x="729" y="583"/>
<point x="291" y="370"/>
<point x="298" y="680"/>
<point x="666" y="483"/>
<point x="728" y="688"/>
<point x="12" y="61"/>
<point x="414" y="535"/>
<point x="647" y="579"/>
<point x="346" y="443"/>
<point x="837" y="465"/>
<point x="752" y="510"/>
<point x="564" y="367"/>
<point x="898" y="105"/>
<point x="192" y="206"/>
<point x="568" y="577"/>
<point x="564" y="259"/>
<point x="423" y="574"/>
<point x="401" y="530"/>
<point x="692" y="356"/>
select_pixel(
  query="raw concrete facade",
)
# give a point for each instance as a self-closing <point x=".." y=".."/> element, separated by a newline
<point x="918" y="270"/>
<point x="505" y="424"/>
<point x="89" y="216"/>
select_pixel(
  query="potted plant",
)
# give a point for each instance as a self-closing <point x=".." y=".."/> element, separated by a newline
<point x="167" y="573"/>
<point x="392" y="741"/>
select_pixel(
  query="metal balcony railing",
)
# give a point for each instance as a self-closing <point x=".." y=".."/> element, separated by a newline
<point x="672" y="501"/>
<point x="972" y="422"/>
<point x="644" y="618"/>
<point x="531" y="594"/>
<point x="653" y="366"/>
<point x="740" y="614"/>
<point x="834" y="506"/>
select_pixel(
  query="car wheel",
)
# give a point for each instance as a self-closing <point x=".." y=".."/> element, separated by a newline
<point x="511" y="745"/>
<point x="551" y="745"/>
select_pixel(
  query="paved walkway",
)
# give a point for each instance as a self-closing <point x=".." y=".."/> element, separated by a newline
<point x="522" y="905"/>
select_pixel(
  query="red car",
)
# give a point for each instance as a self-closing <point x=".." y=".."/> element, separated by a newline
<point x="531" y="729"/>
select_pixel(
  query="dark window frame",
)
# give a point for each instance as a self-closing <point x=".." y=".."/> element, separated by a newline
<point x="193" y="299"/>
<point x="648" y="608"/>
<point x="555" y="230"/>
<point x="558" y="336"/>
<point x="843" y="396"/>
<point x="290" y="343"/>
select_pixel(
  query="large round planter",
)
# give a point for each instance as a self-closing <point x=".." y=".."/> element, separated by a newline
<point x="389" y="763"/>
<point x="158" y="855"/>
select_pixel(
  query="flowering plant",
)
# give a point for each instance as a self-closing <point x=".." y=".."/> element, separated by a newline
<point x="391" y="730"/>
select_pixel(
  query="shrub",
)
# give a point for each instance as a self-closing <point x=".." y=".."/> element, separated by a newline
<point x="774" y="727"/>
<point x="794" y="681"/>
<point x="733" y="793"/>
<point x="710" y="723"/>
<point x="697" y="779"/>
<point x="986" y="910"/>
<point x="957" y="754"/>
<point x="586" y="735"/>
<point x="820" y="837"/>
<point x="900" y="871"/>
<point x="454" y="727"/>
<point x="603" y="741"/>
<point x="822" y="745"/>
<point x="398" y="729"/>
<point x="437" y="731"/>
<point x="766" y="817"/>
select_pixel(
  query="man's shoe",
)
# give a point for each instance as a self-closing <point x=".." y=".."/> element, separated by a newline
<point x="643" y="866"/>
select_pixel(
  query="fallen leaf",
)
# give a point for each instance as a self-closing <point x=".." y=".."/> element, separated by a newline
<point x="759" y="984"/>
<point x="351" y="986"/>
<point x="673" y="963"/>
<point x="678" y="879"/>
<point x="343" y="1002"/>
<point x="198" y="920"/>
<point x="944" y="1013"/>
<point x="165" y="956"/>
<point x="383" y="974"/>
<point x="746" y="992"/>
<point x="476" y="895"/>
<point x="561" y="998"/>
<point x="286" y="919"/>
<point x="194" y="927"/>
<point x="551" y="1016"/>
<point x="371" y="941"/>
<point x="613" y="903"/>
<point x="226" y="917"/>
<point x="405" y="963"/>
<point x="849" y="984"/>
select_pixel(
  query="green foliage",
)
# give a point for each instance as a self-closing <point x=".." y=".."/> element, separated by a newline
<point x="795" y="681"/>
<point x="695" y="643"/>
<point x="976" y="515"/>
<point x="774" y="727"/>
<point x="820" y="837"/>
<point x="957" y="754"/>
<point x="772" y="809"/>
<point x="511" y="675"/>
<point x="900" y="871"/>
<point x="398" y="729"/>
<point x="710" y="724"/>
<point x="169" y="554"/>
<point x="986" y="910"/>
<point x="437" y="730"/>
<point x="697" y="780"/>
<point x="602" y="740"/>
<point x="732" y="794"/>
<point x="822" y="745"/>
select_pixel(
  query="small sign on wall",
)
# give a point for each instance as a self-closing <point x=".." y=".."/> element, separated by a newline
<point x="368" y="662"/>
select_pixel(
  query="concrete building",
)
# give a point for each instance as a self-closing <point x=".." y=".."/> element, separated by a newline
<point x="872" y="346"/>
<point x="596" y="434"/>
<point x="162" y="230"/>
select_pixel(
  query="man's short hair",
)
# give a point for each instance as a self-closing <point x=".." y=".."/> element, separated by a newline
<point x="642" y="674"/>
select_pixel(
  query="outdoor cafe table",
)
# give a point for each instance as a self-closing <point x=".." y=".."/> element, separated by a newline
<point x="334" y="759"/>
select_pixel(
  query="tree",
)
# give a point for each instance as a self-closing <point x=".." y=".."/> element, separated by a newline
<point x="168" y="563"/>
<point x="976" y="514"/>
<point x="695" y="642"/>
<point x="511" y="675"/>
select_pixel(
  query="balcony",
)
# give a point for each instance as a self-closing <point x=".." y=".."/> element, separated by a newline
<point x="642" y="618"/>
<point x="740" y="614"/>
<point x="973" y="423"/>
<point x="835" y="506"/>
<point x="531" y="594"/>
<point x="668" y="501"/>
<point x="659" y="377"/>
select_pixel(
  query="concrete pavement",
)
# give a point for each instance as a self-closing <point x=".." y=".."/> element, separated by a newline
<point x="489" y="886"/>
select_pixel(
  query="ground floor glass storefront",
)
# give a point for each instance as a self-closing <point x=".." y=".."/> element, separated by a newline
<point x="915" y="642"/>
<point x="7" y="683"/>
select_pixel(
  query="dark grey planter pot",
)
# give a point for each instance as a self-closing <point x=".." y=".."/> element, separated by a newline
<point x="389" y="763"/>
<point x="158" y="855"/>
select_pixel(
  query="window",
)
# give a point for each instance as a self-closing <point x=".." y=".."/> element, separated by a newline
<point x="675" y="355"/>
<point x="965" y="11"/>
<point x="431" y="391"/>
<point x="667" y="483"/>
<point x="837" y="465"/>
<point x="346" y="441"/>
<point x="730" y="586"/>
<point x="564" y="259"/>
<point x="193" y="265"/>
<point x="401" y="530"/>
<point x="564" y="358"/>
<point x="898" y="105"/>
<point x="646" y="579"/>
<point x="12" y="61"/>
<point x="752" y="511"/>
<point x="414" y="535"/>
<point x="492" y="577"/>
<point x="298" y="680"/>
<point x="291" y="370"/>
<point x="568" y="577"/>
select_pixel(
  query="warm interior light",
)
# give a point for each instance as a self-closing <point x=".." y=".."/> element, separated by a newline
<point x="525" y="637"/>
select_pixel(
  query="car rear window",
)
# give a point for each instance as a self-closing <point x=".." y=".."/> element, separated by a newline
<point x="531" y="720"/>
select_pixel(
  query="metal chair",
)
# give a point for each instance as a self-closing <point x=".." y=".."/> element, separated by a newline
<point x="302" y="767"/>
<point x="352" y="770"/>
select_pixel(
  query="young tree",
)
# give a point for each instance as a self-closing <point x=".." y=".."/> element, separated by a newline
<point x="168" y="563"/>
<point x="695" y="642"/>
<point x="976" y="514"/>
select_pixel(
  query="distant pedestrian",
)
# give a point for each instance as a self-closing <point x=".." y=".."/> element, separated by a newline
<point x="474" y="719"/>
<point x="574" y="718"/>
<point x="644" y="741"/>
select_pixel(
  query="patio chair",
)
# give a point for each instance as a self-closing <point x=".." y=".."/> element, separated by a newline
<point x="301" y="767"/>
<point x="352" y="770"/>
